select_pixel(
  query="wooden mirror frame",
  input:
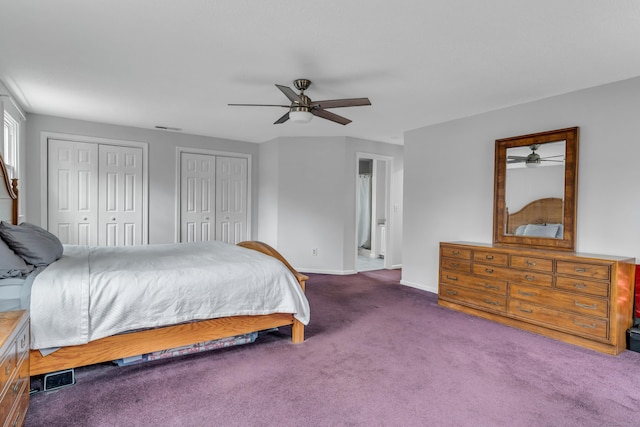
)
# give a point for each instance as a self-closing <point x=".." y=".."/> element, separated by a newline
<point x="568" y="242"/>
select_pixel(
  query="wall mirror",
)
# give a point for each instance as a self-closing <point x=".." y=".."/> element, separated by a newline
<point x="535" y="188"/>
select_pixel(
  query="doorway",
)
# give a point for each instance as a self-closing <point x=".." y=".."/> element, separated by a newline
<point x="372" y="212"/>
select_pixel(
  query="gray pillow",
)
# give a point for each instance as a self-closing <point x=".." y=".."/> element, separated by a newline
<point x="11" y="265"/>
<point x="540" y="230"/>
<point x="35" y="246"/>
<point x="44" y="233"/>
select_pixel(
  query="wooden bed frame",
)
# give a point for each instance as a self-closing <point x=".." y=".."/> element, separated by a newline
<point x="149" y="341"/>
<point x="542" y="211"/>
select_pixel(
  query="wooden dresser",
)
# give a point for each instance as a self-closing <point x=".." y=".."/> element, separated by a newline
<point x="14" y="367"/>
<point x="581" y="299"/>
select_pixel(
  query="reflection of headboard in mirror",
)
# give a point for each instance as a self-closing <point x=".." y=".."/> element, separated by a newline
<point x="542" y="211"/>
<point x="8" y="196"/>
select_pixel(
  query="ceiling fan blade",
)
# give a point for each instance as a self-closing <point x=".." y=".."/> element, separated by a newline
<point x="330" y="116"/>
<point x="336" y="103"/>
<point x="289" y="93"/>
<point x="282" y="119"/>
<point x="517" y="158"/>
<point x="259" y="105"/>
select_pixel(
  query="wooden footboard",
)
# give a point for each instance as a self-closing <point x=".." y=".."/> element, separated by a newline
<point x="149" y="341"/>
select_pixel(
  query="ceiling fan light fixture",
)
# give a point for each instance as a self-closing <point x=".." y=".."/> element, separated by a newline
<point x="533" y="160"/>
<point x="300" y="116"/>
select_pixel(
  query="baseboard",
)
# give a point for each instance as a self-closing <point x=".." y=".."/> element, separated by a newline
<point x="420" y="286"/>
<point x="334" y="272"/>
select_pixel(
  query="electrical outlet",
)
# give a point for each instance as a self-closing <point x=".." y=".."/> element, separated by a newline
<point x="314" y="251"/>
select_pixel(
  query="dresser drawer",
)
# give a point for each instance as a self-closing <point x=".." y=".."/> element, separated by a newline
<point x="560" y="320"/>
<point x="15" y="415"/>
<point x="513" y="275"/>
<point x="477" y="283"/>
<point x="530" y="263"/>
<point x="493" y="258"/>
<point x="455" y="265"/>
<point x="461" y="295"/>
<point x="8" y="363"/>
<point x="455" y="252"/>
<point x="588" y="271"/>
<point x="584" y="286"/>
<point x="577" y="303"/>
<point x="22" y="343"/>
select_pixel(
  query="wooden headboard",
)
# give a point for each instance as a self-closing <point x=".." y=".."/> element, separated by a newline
<point x="542" y="211"/>
<point x="8" y="195"/>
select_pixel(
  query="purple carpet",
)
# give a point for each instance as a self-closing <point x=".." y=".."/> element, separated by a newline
<point x="377" y="354"/>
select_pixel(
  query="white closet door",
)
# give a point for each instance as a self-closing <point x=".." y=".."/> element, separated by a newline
<point x="197" y="197"/>
<point x="73" y="185"/>
<point x="231" y="199"/>
<point x="120" y="196"/>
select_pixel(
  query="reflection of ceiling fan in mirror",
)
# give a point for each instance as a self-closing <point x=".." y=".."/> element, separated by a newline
<point x="302" y="108"/>
<point x="533" y="159"/>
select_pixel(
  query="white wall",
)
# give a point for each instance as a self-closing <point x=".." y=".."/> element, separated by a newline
<point x="307" y="199"/>
<point x="519" y="190"/>
<point x="162" y="165"/>
<point x="448" y="175"/>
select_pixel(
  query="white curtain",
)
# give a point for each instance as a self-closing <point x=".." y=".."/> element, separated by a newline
<point x="364" y="211"/>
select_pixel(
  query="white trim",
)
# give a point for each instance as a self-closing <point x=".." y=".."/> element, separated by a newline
<point x="388" y="207"/>
<point x="420" y="286"/>
<point x="333" y="272"/>
<point x="15" y="105"/>
<point x="44" y="140"/>
<point x="14" y="160"/>
<point x="179" y="151"/>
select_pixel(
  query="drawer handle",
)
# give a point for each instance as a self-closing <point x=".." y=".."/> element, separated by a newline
<point x="491" y="302"/>
<point x="590" y="307"/>
<point x="456" y="253"/>
<point x="15" y="422"/>
<point x="489" y="270"/>
<point x="526" y="294"/>
<point x="489" y="257"/>
<point x="7" y="369"/>
<point x="530" y="278"/>
<point x="23" y="341"/>
<point x="450" y="292"/>
<point x="524" y="310"/>
<point x="530" y="263"/>
<point x="488" y="286"/>
<point x="579" y="285"/>
<point x="452" y="277"/>
<point x="580" y="270"/>
<point x="584" y="325"/>
<point x="455" y="265"/>
<point x="16" y="388"/>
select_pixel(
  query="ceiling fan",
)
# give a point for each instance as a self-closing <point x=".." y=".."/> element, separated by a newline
<point x="302" y="108"/>
<point x="533" y="160"/>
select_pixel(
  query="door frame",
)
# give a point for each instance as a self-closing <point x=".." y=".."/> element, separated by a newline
<point x="217" y="153"/>
<point x="388" y="233"/>
<point x="44" y="174"/>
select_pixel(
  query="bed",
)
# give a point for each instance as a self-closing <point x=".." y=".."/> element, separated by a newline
<point x="181" y="332"/>
<point x="539" y="218"/>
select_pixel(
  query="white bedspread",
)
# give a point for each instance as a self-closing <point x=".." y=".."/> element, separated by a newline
<point x="94" y="292"/>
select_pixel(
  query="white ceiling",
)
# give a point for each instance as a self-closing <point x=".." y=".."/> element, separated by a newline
<point x="178" y="63"/>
